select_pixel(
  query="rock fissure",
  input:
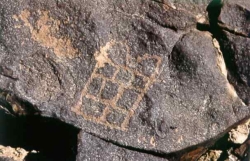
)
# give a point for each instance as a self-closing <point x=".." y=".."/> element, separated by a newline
<point x="219" y="32"/>
<point x="158" y="154"/>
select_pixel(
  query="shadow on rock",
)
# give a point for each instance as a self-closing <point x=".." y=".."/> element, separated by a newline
<point x="52" y="139"/>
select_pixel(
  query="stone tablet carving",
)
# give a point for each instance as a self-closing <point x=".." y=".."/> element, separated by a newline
<point x="115" y="88"/>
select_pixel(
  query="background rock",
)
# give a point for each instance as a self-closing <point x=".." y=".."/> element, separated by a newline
<point x="240" y="134"/>
<point x="235" y="16"/>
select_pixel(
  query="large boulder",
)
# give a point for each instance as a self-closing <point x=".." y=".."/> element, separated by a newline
<point x="130" y="72"/>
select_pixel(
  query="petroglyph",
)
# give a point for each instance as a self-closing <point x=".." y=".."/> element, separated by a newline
<point x="43" y="32"/>
<point x="118" y="82"/>
<point x="116" y="86"/>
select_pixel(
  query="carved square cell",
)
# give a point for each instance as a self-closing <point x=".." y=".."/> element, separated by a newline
<point x="91" y="107"/>
<point x="115" y="117"/>
<point x="127" y="99"/>
<point x="139" y="82"/>
<point x="95" y="86"/>
<point x="147" y="66"/>
<point x="110" y="90"/>
<point x="124" y="76"/>
<point x="107" y="70"/>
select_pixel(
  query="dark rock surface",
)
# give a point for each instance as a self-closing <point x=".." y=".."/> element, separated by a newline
<point x="134" y="72"/>
<point x="94" y="149"/>
<point x="237" y="56"/>
<point x="236" y="16"/>
<point x="178" y="14"/>
<point x="243" y="151"/>
<point x="233" y="34"/>
<point x="226" y="149"/>
<point x="6" y="159"/>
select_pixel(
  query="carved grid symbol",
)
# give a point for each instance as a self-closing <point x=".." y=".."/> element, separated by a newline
<point x="114" y="91"/>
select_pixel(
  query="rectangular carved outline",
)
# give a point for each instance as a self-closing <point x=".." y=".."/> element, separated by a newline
<point x="112" y="103"/>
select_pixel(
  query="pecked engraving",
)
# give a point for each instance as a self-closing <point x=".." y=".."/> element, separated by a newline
<point x="44" y="32"/>
<point x="116" y="86"/>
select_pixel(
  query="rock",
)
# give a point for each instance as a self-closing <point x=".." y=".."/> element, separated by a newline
<point x="234" y="39"/>
<point x="94" y="149"/>
<point x="179" y="14"/>
<point x="193" y="154"/>
<point x="9" y="153"/>
<point x="232" y="31"/>
<point x="237" y="53"/>
<point x="240" y="134"/>
<point x="120" y="70"/>
<point x="229" y="147"/>
<point x="242" y="151"/>
<point x="235" y="16"/>
<point x="233" y="158"/>
<point x="6" y="159"/>
<point x="212" y="155"/>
